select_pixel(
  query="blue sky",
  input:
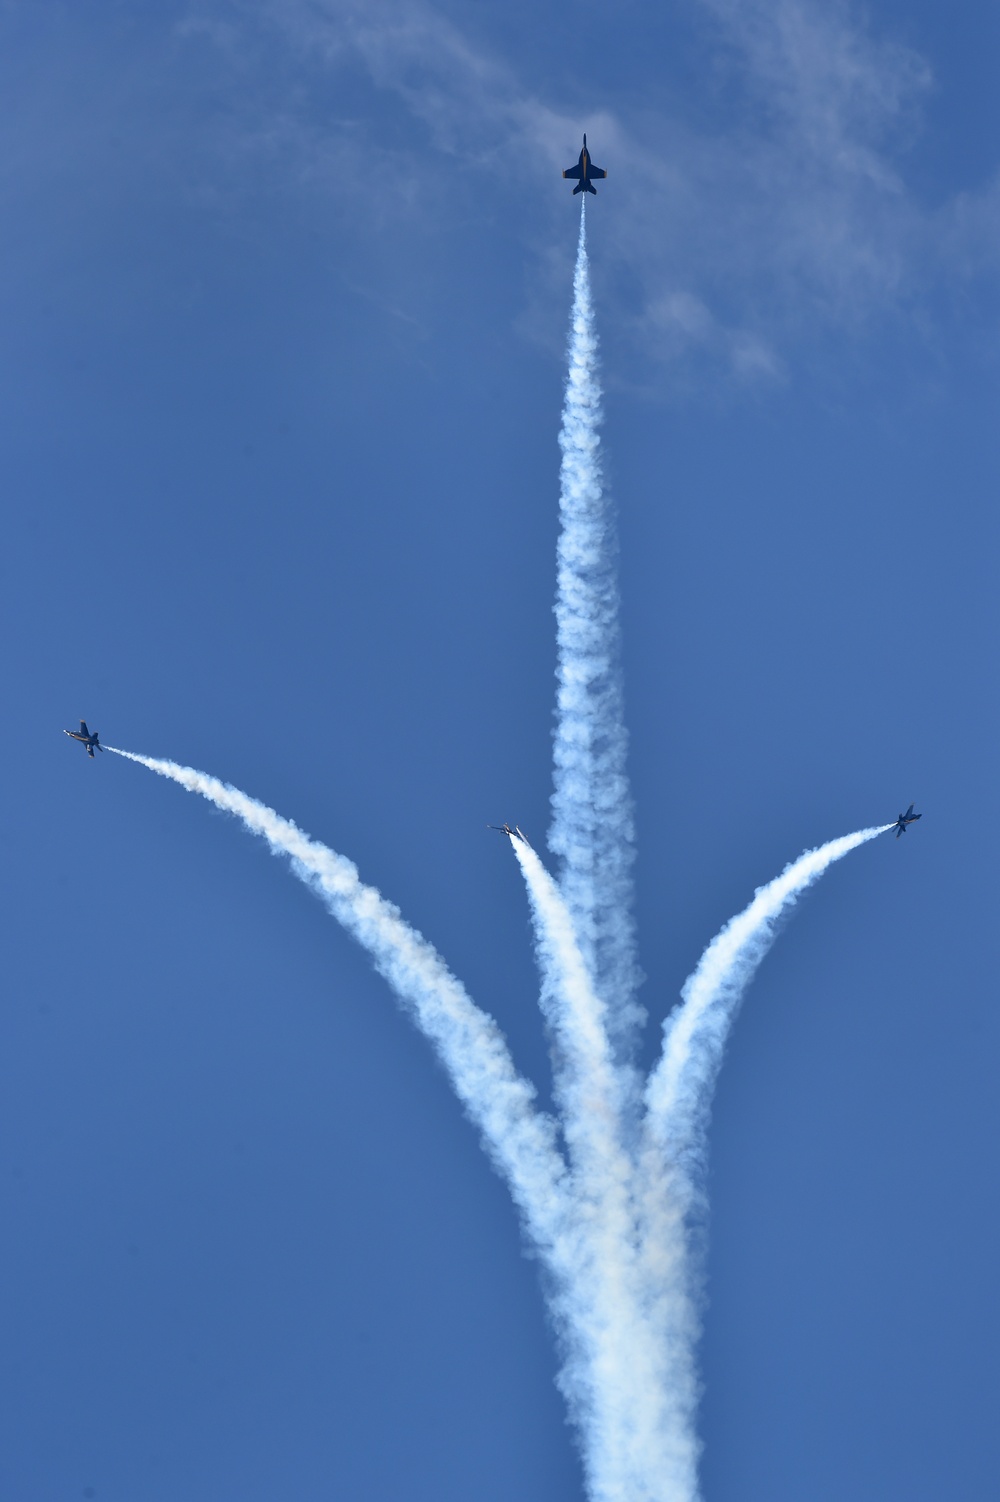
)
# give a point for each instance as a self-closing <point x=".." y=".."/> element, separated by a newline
<point x="285" y="301"/>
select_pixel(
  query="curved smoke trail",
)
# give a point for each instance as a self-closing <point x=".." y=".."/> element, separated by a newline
<point x="587" y="1083"/>
<point x="612" y="1228"/>
<point x="632" y="1317"/>
<point x="678" y="1098"/>
<point x="679" y="1091"/>
<point x="519" y="1138"/>
<point x="593" y="828"/>
<point x="612" y="1372"/>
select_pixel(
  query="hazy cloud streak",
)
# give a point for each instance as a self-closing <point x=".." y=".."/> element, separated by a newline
<point x="779" y="208"/>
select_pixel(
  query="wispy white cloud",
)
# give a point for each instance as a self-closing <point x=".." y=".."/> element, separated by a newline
<point x="820" y="71"/>
<point x="685" y="325"/>
<point x="783" y="212"/>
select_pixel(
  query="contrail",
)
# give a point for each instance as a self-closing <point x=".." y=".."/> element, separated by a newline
<point x="519" y="1138"/>
<point x="593" y="828"/>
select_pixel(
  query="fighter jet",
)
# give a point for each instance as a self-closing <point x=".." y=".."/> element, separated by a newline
<point x="908" y="818"/>
<point x="585" y="170"/>
<point x="89" y="739"/>
<point x="512" y="834"/>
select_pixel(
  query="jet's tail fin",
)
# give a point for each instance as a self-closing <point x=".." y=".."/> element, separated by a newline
<point x="578" y="189"/>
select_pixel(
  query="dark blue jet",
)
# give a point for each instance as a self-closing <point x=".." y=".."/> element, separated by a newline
<point x="512" y="834"/>
<point x="89" y="739"/>
<point x="908" y="818"/>
<point x="585" y="170"/>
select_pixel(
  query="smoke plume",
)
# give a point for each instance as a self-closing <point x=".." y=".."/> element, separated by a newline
<point x="612" y="1191"/>
<point x="520" y="1139"/>
<point x="593" y="827"/>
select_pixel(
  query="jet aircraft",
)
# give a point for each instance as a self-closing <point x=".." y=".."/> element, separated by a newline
<point x="585" y="170"/>
<point x="908" y="818"/>
<point x="512" y="834"/>
<point x="89" y="738"/>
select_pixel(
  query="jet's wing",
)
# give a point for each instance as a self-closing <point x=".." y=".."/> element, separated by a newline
<point x="596" y="171"/>
<point x="576" y="171"/>
<point x="83" y="728"/>
<point x="909" y="813"/>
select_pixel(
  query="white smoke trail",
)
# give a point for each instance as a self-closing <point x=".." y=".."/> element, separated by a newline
<point x="616" y="1226"/>
<point x="580" y="1223"/>
<point x="678" y="1101"/>
<point x="593" y="828"/>
<point x="587" y="1082"/>
<point x="646" y="1446"/>
<point x="614" y="1233"/>
<point x="519" y="1138"/>
<point x="679" y="1091"/>
<point x="611" y="1376"/>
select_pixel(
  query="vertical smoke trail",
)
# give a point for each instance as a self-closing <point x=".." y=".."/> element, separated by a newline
<point x="520" y="1140"/>
<point x="592" y="829"/>
<point x="620" y="1374"/>
<point x="649" y="1450"/>
<point x="608" y="1371"/>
